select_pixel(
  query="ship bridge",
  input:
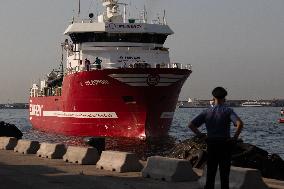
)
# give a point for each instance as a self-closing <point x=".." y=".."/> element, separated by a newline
<point x="118" y="32"/>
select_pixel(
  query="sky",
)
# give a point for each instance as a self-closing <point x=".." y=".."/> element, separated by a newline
<point x="237" y="44"/>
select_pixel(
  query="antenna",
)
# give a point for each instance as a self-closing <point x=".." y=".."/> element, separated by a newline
<point x="97" y="9"/>
<point x="124" y="11"/>
<point x="73" y="17"/>
<point x="164" y="18"/>
<point x="130" y="5"/>
<point x="158" y="18"/>
<point x="62" y="55"/>
<point x="79" y="8"/>
<point x="144" y="14"/>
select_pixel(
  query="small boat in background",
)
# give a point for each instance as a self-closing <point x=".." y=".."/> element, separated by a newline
<point x="255" y="103"/>
<point x="281" y="120"/>
<point x="194" y="103"/>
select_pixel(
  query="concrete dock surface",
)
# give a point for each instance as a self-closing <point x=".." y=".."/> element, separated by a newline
<point x="32" y="172"/>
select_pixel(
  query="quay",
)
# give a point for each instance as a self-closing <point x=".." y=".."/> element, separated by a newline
<point x="26" y="169"/>
<point x="29" y="171"/>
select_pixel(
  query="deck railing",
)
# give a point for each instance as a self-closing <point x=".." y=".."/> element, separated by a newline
<point x="129" y="66"/>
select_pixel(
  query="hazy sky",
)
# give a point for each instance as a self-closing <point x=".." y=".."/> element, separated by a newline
<point x="238" y="44"/>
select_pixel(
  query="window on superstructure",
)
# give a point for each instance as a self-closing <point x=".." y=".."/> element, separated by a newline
<point x="119" y="37"/>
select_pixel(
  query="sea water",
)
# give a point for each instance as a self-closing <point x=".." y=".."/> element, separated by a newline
<point x="261" y="129"/>
<point x="261" y="126"/>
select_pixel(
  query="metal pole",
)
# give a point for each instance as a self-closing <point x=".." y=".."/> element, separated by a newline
<point x="124" y="13"/>
<point x="79" y="8"/>
<point x="62" y="58"/>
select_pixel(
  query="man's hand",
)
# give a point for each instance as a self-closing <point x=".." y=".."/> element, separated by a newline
<point x="240" y="126"/>
<point x="194" y="129"/>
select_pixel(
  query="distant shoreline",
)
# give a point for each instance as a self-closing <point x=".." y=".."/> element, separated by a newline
<point x="188" y="107"/>
<point x="232" y="103"/>
<point x="14" y="106"/>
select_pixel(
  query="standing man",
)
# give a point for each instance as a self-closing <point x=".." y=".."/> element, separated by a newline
<point x="87" y="64"/>
<point x="98" y="63"/>
<point x="217" y="120"/>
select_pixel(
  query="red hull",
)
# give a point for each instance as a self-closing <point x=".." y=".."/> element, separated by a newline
<point x="281" y="120"/>
<point x="115" y="103"/>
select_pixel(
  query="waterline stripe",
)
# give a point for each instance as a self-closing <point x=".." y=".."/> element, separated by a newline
<point x="81" y="115"/>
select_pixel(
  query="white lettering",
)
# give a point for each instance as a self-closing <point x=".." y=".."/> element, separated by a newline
<point x="36" y="110"/>
<point x="113" y="26"/>
<point x="94" y="83"/>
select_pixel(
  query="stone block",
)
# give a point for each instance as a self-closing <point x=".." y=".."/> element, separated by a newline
<point x="51" y="151"/>
<point x="27" y="147"/>
<point x="119" y="162"/>
<point x="169" y="169"/>
<point x="81" y="155"/>
<point x="240" y="178"/>
<point x="8" y="143"/>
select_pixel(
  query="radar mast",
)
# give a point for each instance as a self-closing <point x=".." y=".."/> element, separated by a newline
<point x="111" y="13"/>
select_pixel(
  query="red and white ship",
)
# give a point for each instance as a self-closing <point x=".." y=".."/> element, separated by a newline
<point x="118" y="80"/>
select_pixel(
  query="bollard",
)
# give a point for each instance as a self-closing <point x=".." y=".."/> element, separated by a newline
<point x="169" y="169"/>
<point x="27" y="147"/>
<point x="8" y="143"/>
<point x="119" y="162"/>
<point x="81" y="155"/>
<point x="51" y="151"/>
<point x="96" y="142"/>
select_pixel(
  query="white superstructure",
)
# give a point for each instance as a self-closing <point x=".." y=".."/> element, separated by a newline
<point x="112" y="41"/>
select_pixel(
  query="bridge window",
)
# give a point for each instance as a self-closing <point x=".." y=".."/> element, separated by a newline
<point x="118" y="37"/>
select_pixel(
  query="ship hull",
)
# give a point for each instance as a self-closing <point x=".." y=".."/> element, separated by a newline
<point x="136" y="103"/>
<point x="281" y="120"/>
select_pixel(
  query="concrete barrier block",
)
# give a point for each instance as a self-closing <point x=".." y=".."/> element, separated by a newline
<point x="27" y="147"/>
<point x="51" y="151"/>
<point x="81" y="155"/>
<point x="8" y="143"/>
<point x="240" y="178"/>
<point x="119" y="162"/>
<point x="169" y="169"/>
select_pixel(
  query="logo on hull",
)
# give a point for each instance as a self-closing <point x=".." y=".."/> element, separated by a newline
<point x="153" y="80"/>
